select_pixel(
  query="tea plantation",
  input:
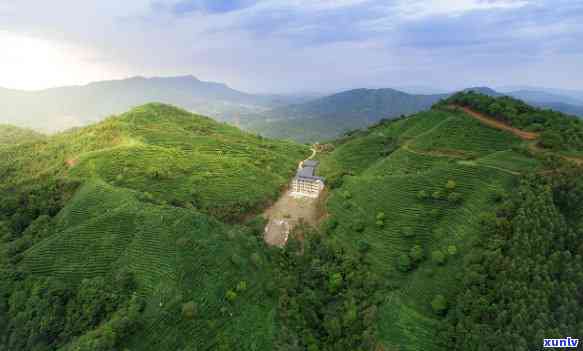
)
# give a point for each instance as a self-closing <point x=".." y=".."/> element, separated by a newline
<point x="142" y="233"/>
<point x="413" y="191"/>
<point x="114" y="231"/>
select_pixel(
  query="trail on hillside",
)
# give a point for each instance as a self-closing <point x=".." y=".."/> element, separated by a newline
<point x="448" y="153"/>
<point x="519" y="133"/>
<point x="499" y="125"/>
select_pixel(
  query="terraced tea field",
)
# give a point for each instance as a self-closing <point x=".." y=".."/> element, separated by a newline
<point x="410" y="189"/>
<point x="174" y="156"/>
<point x="177" y="256"/>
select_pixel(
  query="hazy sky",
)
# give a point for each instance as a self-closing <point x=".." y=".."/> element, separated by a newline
<point x="294" y="45"/>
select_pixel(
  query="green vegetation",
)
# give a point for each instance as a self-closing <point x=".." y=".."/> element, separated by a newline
<point x="524" y="276"/>
<point x="113" y="232"/>
<point x="10" y="135"/>
<point x="328" y="297"/>
<point x="431" y="176"/>
<point x="559" y="131"/>
<point x="141" y="233"/>
<point x="169" y="155"/>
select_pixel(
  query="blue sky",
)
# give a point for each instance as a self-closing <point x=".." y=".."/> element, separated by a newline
<point x="296" y="45"/>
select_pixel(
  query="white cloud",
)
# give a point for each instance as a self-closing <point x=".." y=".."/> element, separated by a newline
<point x="416" y="9"/>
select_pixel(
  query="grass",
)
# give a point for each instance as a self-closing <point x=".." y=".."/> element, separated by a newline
<point x="390" y="185"/>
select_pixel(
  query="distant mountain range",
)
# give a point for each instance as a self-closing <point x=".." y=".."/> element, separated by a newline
<point x="302" y="117"/>
<point x="65" y="107"/>
<point x="330" y="116"/>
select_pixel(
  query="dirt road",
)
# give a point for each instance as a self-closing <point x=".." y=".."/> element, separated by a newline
<point x="499" y="125"/>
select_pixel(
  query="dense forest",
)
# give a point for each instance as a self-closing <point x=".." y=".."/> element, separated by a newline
<point x="558" y="131"/>
<point x="523" y="280"/>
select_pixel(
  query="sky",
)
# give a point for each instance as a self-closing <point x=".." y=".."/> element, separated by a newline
<point x="277" y="46"/>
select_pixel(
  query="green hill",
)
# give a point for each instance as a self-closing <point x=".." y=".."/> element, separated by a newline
<point x="140" y="233"/>
<point x="112" y="231"/>
<point x="416" y="194"/>
<point x="13" y="135"/>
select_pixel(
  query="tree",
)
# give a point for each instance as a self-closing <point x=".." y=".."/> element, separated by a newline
<point x="438" y="257"/>
<point x="189" y="310"/>
<point x="363" y="245"/>
<point x="335" y="281"/>
<point x="231" y="296"/>
<point x="454" y="198"/>
<point x="242" y="286"/>
<point x="416" y="254"/>
<point x="404" y="263"/>
<point x="439" y="304"/>
<point x="422" y="195"/>
<point x="551" y="140"/>
<point x="450" y="185"/>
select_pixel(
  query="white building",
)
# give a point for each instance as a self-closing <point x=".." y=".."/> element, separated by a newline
<point x="306" y="183"/>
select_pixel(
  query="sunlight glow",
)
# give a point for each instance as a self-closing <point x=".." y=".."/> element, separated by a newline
<point x="31" y="63"/>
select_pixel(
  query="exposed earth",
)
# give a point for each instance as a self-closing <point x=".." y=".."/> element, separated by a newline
<point x="289" y="211"/>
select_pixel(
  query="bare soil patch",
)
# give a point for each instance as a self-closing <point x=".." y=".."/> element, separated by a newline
<point x="288" y="212"/>
<point x="499" y="125"/>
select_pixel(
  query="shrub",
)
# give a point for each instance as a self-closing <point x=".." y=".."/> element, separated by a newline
<point x="256" y="260"/>
<point x="437" y="195"/>
<point x="439" y="304"/>
<point x="454" y="198"/>
<point x="438" y="257"/>
<point x="452" y="250"/>
<point x="404" y="263"/>
<point x="231" y="296"/>
<point x="422" y="195"/>
<point x="189" y="310"/>
<point x="358" y="226"/>
<point x="242" y="286"/>
<point x="363" y="246"/>
<point x="335" y="282"/>
<point x="408" y="232"/>
<point x="417" y="254"/>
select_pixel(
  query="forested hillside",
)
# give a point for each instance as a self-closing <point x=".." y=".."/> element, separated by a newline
<point x="328" y="117"/>
<point x="559" y="131"/>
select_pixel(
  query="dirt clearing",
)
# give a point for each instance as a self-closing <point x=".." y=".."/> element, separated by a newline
<point x="287" y="212"/>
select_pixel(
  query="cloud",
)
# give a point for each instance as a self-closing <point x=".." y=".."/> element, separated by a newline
<point x="279" y="45"/>
<point x="184" y="7"/>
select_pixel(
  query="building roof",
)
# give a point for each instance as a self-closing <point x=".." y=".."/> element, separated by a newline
<point x="310" y="163"/>
<point x="308" y="171"/>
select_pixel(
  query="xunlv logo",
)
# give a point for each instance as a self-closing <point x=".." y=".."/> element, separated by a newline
<point x="567" y="342"/>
